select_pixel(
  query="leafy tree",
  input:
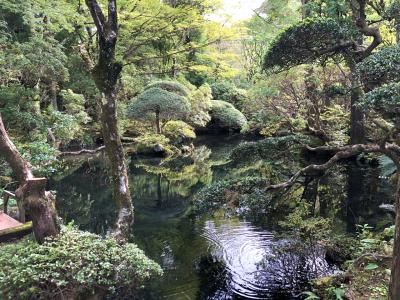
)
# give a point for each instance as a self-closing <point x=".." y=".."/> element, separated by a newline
<point x="328" y="36"/>
<point x="158" y="104"/>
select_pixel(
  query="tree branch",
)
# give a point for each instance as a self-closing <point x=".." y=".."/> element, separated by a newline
<point x="341" y="153"/>
<point x="98" y="16"/>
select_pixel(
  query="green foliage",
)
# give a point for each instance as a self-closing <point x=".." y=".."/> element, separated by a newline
<point x="267" y="148"/>
<point x="20" y="108"/>
<point x="67" y="127"/>
<point x="178" y="131"/>
<point x="147" y="144"/>
<point x="71" y="264"/>
<point x="337" y="120"/>
<point x="222" y="89"/>
<point x="227" y="91"/>
<point x="225" y="115"/>
<point x="306" y="226"/>
<point x="307" y="41"/>
<point x="381" y="67"/>
<point x="155" y="100"/>
<point x="170" y="86"/>
<point x="236" y="196"/>
<point x="200" y="100"/>
<point x="42" y="156"/>
<point x="385" y="98"/>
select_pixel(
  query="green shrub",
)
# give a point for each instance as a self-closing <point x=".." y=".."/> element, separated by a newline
<point x="225" y="115"/>
<point x="200" y="100"/>
<point x="268" y="148"/>
<point x="179" y="131"/>
<point x="73" y="263"/>
<point x="237" y="195"/>
<point x="147" y="144"/>
<point x="170" y="86"/>
<point x="42" y="156"/>
<point x="155" y="101"/>
<point x="227" y="91"/>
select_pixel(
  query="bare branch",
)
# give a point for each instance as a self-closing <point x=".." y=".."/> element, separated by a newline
<point x="341" y="153"/>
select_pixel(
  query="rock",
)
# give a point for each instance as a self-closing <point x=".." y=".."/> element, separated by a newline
<point x="158" y="149"/>
<point x="186" y="149"/>
<point x="387" y="207"/>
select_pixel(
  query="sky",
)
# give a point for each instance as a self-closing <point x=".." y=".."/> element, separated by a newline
<point x="238" y="9"/>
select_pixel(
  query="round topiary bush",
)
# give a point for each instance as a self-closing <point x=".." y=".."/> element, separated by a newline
<point x="170" y="86"/>
<point x="73" y="264"/>
<point x="226" y="116"/>
<point x="158" y="104"/>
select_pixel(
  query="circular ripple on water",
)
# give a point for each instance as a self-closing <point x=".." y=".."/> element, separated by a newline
<point x="253" y="267"/>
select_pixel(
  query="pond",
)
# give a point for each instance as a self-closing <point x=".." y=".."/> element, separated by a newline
<point x="218" y="256"/>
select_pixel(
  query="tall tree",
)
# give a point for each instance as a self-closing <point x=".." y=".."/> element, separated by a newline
<point x="334" y="32"/>
<point x="105" y="74"/>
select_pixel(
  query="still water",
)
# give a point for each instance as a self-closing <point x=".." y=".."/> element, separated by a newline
<point x="216" y="256"/>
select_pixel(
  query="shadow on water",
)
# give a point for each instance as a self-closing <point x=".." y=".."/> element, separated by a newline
<point x="214" y="257"/>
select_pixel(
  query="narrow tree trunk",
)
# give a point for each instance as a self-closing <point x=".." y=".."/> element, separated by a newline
<point x="394" y="292"/>
<point x="53" y="95"/>
<point x="357" y="130"/>
<point x="106" y="74"/>
<point x="158" y="125"/>
<point x="38" y="203"/>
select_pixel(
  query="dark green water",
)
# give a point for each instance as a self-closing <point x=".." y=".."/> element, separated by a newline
<point x="216" y="257"/>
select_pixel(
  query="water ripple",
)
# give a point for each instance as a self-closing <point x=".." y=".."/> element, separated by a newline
<point x="255" y="265"/>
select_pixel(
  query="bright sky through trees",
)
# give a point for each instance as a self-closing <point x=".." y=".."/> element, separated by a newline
<point x="235" y="10"/>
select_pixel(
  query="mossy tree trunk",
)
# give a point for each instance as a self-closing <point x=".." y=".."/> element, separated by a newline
<point x="394" y="292"/>
<point x="106" y="74"/>
<point x="32" y="194"/>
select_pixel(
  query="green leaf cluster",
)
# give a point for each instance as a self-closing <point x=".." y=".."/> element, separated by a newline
<point x="227" y="116"/>
<point x="167" y="104"/>
<point x="73" y="264"/>
<point x="381" y="67"/>
<point x="307" y="41"/>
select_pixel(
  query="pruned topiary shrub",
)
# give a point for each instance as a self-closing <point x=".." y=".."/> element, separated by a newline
<point x="156" y="104"/>
<point x="224" y="115"/>
<point x="73" y="264"/>
<point x="170" y="86"/>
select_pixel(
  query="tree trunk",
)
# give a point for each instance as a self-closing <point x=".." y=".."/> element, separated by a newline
<point x="38" y="203"/>
<point x="394" y="291"/>
<point x="53" y="95"/>
<point x="158" y="125"/>
<point x="106" y="74"/>
<point x="357" y="131"/>
<point x="119" y="173"/>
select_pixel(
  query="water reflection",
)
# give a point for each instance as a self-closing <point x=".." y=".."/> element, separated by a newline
<point x="214" y="257"/>
<point x="257" y="265"/>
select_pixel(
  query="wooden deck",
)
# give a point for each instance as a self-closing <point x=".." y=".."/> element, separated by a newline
<point x="6" y="222"/>
<point x="11" y="228"/>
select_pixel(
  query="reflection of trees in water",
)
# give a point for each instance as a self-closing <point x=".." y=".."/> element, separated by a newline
<point x="290" y="266"/>
<point x="349" y="193"/>
<point x="84" y="197"/>
<point x="176" y="245"/>
<point x="283" y="274"/>
<point x="165" y="183"/>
